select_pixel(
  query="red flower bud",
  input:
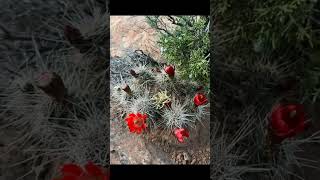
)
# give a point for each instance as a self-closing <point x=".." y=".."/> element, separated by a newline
<point x="170" y="71"/>
<point x="200" y="99"/>
<point x="75" y="38"/>
<point x="180" y="133"/>
<point x="133" y="73"/>
<point x="287" y="121"/>
<point x="127" y="89"/>
<point x="168" y="103"/>
<point x="52" y="84"/>
<point x="72" y="34"/>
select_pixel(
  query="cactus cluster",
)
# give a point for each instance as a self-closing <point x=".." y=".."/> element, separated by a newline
<point x="54" y="100"/>
<point x="169" y="102"/>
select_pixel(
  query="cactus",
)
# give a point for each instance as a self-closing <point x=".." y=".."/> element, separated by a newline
<point x="54" y="98"/>
<point x="166" y="100"/>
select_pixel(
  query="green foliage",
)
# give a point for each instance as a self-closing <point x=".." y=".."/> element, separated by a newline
<point x="267" y="24"/>
<point x="186" y="44"/>
<point x="265" y="52"/>
<point x="287" y="21"/>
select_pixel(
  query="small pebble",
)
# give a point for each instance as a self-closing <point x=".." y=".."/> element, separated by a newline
<point x="193" y="161"/>
<point x="166" y="149"/>
<point x="191" y="152"/>
<point x="184" y="162"/>
<point x="186" y="156"/>
<point x="179" y="157"/>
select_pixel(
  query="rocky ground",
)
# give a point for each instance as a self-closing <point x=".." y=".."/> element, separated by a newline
<point x="129" y="33"/>
<point x="157" y="147"/>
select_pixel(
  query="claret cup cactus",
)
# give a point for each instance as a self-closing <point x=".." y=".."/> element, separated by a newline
<point x="155" y="99"/>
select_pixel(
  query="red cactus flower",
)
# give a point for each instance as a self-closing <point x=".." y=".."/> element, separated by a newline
<point x="91" y="172"/>
<point x="180" y="133"/>
<point x="136" y="122"/>
<point x="200" y="99"/>
<point x="287" y="121"/>
<point x="170" y="71"/>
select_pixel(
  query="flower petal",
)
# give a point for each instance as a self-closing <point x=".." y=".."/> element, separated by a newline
<point x="72" y="169"/>
<point x="180" y="133"/>
<point x="287" y="121"/>
<point x="145" y="116"/>
<point x="300" y="127"/>
<point x="93" y="169"/>
<point x="68" y="177"/>
<point x="180" y="139"/>
<point x="105" y="177"/>
<point x="137" y="124"/>
<point x="186" y="133"/>
<point x="132" y="115"/>
<point x="139" y="115"/>
<point x="138" y="131"/>
<point x="199" y="99"/>
<point x="279" y="126"/>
